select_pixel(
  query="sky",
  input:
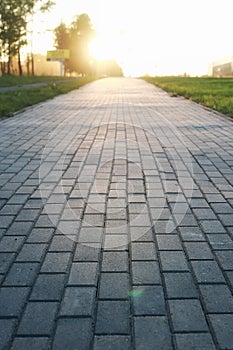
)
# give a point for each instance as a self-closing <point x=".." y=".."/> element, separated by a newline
<point x="156" y="37"/>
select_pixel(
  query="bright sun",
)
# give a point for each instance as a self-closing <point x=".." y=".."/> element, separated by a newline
<point x="105" y="47"/>
<point x="100" y="48"/>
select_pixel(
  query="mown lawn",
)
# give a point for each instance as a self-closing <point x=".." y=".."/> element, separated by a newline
<point x="13" y="101"/>
<point x="13" y="80"/>
<point x="215" y="93"/>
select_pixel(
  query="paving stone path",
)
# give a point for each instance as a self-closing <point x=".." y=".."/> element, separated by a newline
<point x="116" y="223"/>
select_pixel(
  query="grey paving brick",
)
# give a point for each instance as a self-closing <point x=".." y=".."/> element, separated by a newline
<point x="114" y="286"/>
<point x="40" y="235"/>
<point x="198" y="203"/>
<point x="113" y="214"/>
<point x="22" y="274"/>
<point x="18" y="199"/>
<point x="10" y="209"/>
<point x="87" y="253"/>
<point x="94" y="220"/>
<point x="187" y="315"/>
<point x="212" y="226"/>
<point x="222" y="208"/>
<point x="207" y="272"/>
<point x="48" y="221"/>
<point x="152" y="333"/>
<point x="52" y="208"/>
<point x="173" y="261"/>
<point x="162" y="227"/>
<point x="190" y="234"/>
<point x="2" y="202"/>
<point x="7" y="328"/>
<point x="135" y="208"/>
<point x="145" y="272"/>
<point x="187" y="220"/>
<point x="28" y="343"/>
<point x="33" y="204"/>
<point x="198" y="251"/>
<point x="227" y="219"/>
<point x="90" y="235"/>
<point x="220" y="241"/>
<point x="115" y="262"/>
<point x="2" y="231"/>
<point x="116" y="243"/>
<point x="78" y="301"/>
<point x="230" y="277"/>
<point x="215" y="198"/>
<point x="217" y="298"/>
<point x="204" y="214"/>
<point x="20" y="228"/>
<point x="61" y="243"/>
<point x="28" y="215"/>
<point x="180" y="285"/>
<point x="116" y="227"/>
<point x="83" y="273"/>
<point x="222" y="325"/>
<point x="68" y="227"/>
<point x="43" y="323"/>
<point x="11" y="244"/>
<point x="12" y="300"/>
<point x="32" y="252"/>
<point x="6" y="260"/>
<point x="198" y="341"/>
<point x="140" y="220"/>
<point x="73" y="334"/>
<point x="56" y="262"/>
<point x="143" y="251"/>
<point x="112" y="342"/>
<point x="48" y="287"/>
<point x="168" y="242"/>
<point x="141" y="234"/>
<point x="71" y="214"/>
<point x="112" y="317"/>
<point x="148" y="300"/>
<point x="225" y="258"/>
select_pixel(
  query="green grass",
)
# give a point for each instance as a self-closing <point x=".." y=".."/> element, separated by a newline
<point x="13" y="101"/>
<point x="13" y="80"/>
<point x="215" y="93"/>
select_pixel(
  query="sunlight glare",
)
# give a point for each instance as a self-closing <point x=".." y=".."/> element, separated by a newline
<point x="102" y="48"/>
<point x="154" y="37"/>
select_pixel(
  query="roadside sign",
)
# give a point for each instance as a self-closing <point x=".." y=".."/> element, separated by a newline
<point x="58" y="54"/>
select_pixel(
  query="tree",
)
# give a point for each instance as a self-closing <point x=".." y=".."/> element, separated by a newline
<point x="62" y="41"/>
<point x="76" y="38"/>
<point x="14" y="16"/>
<point x="10" y="29"/>
<point x="108" y="68"/>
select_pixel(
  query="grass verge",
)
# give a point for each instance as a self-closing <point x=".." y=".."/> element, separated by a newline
<point x="215" y="93"/>
<point x="12" y="80"/>
<point x="13" y="101"/>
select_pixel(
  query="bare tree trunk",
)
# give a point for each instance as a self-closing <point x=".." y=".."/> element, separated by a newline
<point x="9" y="60"/>
<point x="2" y="68"/>
<point x="9" y="66"/>
<point x="19" y="63"/>
<point x="28" y="65"/>
<point x="32" y="63"/>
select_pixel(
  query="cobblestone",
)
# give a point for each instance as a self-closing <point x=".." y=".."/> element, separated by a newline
<point x="116" y="207"/>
